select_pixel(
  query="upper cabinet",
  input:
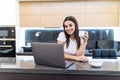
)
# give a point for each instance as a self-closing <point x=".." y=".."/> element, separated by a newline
<point x="51" y="13"/>
<point x="29" y="14"/>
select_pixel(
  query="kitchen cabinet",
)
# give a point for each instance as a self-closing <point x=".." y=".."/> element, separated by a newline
<point x="52" y="13"/>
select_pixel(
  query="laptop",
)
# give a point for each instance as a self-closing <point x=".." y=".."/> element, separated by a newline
<point x="49" y="54"/>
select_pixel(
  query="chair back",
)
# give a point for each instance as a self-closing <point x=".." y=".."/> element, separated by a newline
<point x="104" y="53"/>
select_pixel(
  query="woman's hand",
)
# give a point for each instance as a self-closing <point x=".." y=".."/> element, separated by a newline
<point x="85" y="37"/>
<point x="81" y="58"/>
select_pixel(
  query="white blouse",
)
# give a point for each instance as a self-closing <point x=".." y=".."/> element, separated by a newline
<point x="72" y="49"/>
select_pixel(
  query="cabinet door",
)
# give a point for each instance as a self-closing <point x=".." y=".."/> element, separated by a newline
<point x="30" y="14"/>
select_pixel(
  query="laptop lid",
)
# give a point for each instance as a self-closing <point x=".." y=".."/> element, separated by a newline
<point x="49" y="54"/>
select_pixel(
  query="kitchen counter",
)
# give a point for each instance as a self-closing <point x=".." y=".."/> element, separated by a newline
<point x="30" y="53"/>
<point x="23" y="67"/>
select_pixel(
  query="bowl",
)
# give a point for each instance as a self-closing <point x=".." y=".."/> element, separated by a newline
<point x="96" y="64"/>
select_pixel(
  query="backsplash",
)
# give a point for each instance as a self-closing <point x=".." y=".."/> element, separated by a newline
<point x="41" y="36"/>
<point x="98" y="38"/>
<point x="44" y="35"/>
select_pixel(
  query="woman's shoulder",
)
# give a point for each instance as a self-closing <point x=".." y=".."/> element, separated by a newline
<point x="62" y="34"/>
<point x="61" y="37"/>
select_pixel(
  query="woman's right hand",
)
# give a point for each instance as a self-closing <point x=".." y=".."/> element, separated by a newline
<point x="81" y="58"/>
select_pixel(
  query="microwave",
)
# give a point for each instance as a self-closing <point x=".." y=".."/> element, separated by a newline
<point x="7" y="31"/>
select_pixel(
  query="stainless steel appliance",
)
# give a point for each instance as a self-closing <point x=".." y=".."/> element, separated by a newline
<point x="7" y="41"/>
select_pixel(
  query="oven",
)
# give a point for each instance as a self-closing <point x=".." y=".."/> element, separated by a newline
<point x="7" y="41"/>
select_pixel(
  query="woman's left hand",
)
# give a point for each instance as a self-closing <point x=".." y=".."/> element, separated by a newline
<point x="85" y="37"/>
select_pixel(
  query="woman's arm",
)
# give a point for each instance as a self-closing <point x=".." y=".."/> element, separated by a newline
<point x="81" y="50"/>
<point x="76" y="58"/>
<point x="71" y="57"/>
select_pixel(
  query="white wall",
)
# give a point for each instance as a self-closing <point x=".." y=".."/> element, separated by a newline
<point x="8" y="12"/>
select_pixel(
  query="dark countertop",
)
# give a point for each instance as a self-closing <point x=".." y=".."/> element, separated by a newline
<point x="25" y="64"/>
<point x="24" y="68"/>
<point x="30" y="53"/>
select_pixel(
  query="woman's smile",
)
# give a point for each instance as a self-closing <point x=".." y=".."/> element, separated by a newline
<point x="70" y="31"/>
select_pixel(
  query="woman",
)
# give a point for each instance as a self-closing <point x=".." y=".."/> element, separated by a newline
<point x="74" y="45"/>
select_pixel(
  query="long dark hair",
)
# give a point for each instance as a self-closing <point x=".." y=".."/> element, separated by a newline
<point x="76" y="33"/>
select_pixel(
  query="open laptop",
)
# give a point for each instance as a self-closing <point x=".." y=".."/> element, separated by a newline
<point x="49" y="54"/>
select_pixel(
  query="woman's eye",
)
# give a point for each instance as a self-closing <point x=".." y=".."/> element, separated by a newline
<point x="65" y="26"/>
<point x="70" y="25"/>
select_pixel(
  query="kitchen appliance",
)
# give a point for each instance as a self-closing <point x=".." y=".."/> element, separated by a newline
<point x="7" y="41"/>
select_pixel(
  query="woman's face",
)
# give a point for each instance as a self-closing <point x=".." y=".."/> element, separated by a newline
<point x="69" y="27"/>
